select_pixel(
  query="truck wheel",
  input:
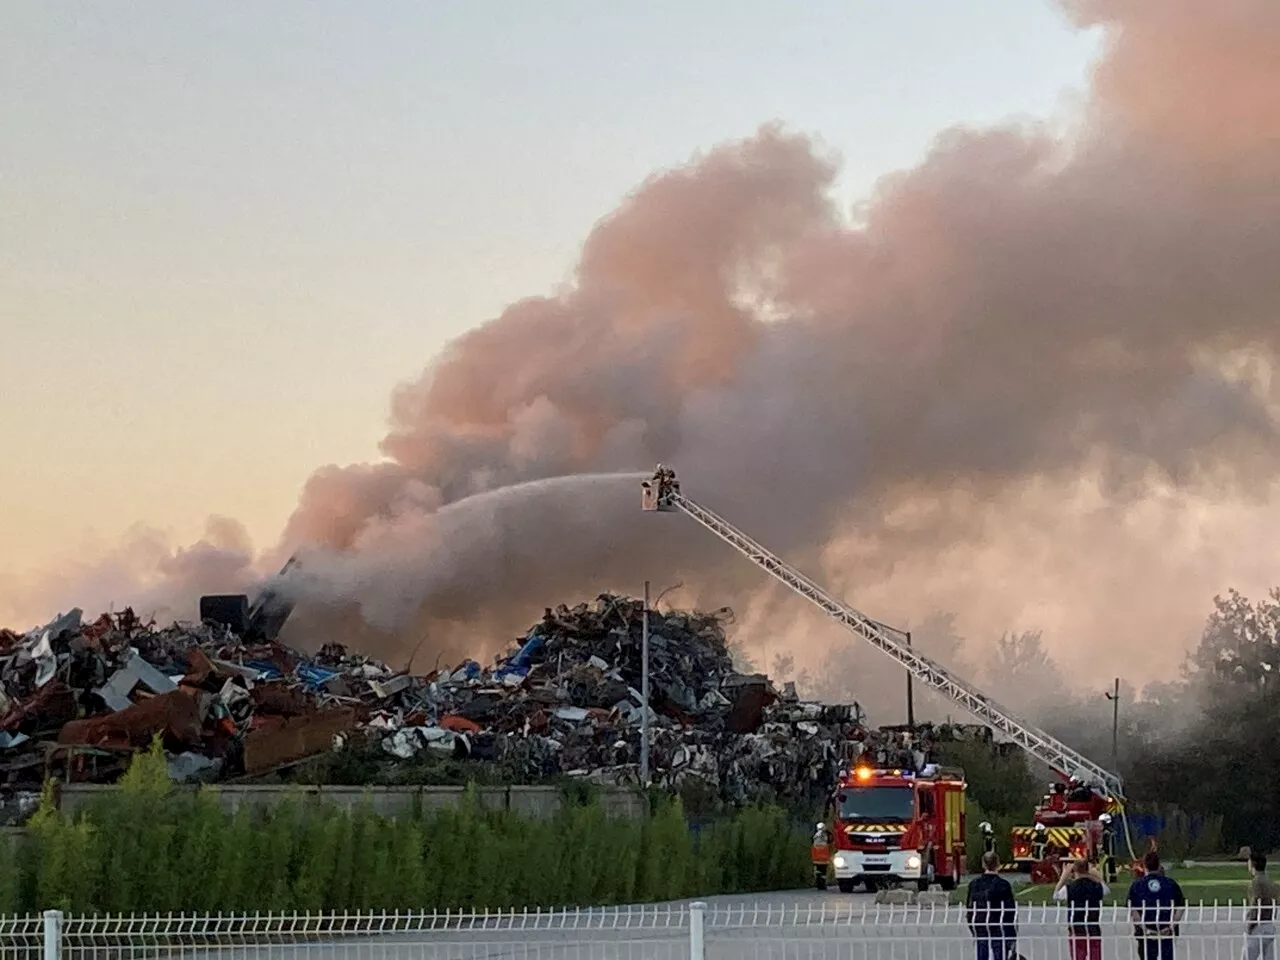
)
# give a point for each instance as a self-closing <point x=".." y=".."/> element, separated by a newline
<point x="846" y="886"/>
<point x="820" y="881"/>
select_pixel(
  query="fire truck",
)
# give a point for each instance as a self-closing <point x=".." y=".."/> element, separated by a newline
<point x="897" y="826"/>
<point x="1069" y="822"/>
<point x="661" y="494"/>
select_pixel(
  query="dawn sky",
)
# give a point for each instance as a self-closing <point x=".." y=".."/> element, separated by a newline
<point x="229" y="229"/>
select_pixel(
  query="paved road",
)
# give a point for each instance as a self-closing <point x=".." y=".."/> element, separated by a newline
<point x="800" y="925"/>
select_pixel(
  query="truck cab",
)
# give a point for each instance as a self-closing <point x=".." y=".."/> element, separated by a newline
<point x="893" y="826"/>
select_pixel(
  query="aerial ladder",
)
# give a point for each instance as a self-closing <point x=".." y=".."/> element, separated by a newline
<point x="661" y="493"/>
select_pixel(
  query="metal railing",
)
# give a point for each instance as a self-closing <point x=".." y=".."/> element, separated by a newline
<point x="801" y="930"/>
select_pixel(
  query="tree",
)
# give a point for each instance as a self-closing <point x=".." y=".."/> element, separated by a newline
<point x="854" y="671"/>
<point x="938" y="639"/>
<point x="1228" y="761"/>
<point x="1240" y="645"/>
<point x="1019" y="671"/>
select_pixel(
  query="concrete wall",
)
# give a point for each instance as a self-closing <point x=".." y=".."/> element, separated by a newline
<point x="531" y="802"/>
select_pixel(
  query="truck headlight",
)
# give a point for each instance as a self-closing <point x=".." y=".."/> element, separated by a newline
<point x="913" y="862"/>
<point x="839" y="862"/>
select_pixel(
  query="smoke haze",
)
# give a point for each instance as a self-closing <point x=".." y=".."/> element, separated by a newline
<point x="1030" y="381"/>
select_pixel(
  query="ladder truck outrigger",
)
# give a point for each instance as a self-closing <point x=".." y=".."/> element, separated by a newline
<point x="1097" y="792"/>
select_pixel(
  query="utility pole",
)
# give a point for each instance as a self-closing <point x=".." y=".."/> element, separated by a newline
<point x="644" y="690"/>
<point x="911" y="701"/>
<point x="1114" y="697"/>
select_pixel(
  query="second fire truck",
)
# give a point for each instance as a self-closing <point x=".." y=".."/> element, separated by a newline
<point x="891" y="826"/>
<point x="1072" y="820"/>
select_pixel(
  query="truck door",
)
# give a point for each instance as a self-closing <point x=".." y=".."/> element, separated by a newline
<point x="953" y="819"/>
<point x="926" y="808"/>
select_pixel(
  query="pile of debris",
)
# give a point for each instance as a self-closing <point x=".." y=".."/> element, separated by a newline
<point x="77" y="699"/>
<point x="568" y="701"/>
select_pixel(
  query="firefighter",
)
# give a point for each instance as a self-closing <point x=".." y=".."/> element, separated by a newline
<point x="1057" y="797"/>
<point x="1109" y="867"/>
<point x="988" y="837"/>
<point x="820" y="855"/>
<point x="1039" y="842"/>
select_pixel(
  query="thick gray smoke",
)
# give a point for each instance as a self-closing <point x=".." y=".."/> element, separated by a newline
<point x="1030" y="381"/>
<point x="1012" y="352"/>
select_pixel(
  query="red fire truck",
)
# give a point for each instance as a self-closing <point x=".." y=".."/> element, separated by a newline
<point x="1069" y="822"/>
<point x="897" y="826"/>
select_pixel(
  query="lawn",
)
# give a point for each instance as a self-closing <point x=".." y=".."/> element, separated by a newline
<point x="1199" y="885"/>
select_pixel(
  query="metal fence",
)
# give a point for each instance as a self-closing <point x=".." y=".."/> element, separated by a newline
<point x="799" y="931"/>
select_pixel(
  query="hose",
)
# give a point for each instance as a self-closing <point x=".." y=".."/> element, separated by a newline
<point x="1128" y="837"/>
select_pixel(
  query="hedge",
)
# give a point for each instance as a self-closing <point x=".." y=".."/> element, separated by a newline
<point x="149" y="849"/>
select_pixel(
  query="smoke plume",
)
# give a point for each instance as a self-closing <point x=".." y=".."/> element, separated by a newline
<point x="1030" y="381"/>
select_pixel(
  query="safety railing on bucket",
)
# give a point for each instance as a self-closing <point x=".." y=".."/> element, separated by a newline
<point x="812" y="929"/>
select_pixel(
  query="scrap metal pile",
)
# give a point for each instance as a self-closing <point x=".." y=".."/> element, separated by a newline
<point x="77" y="699"/>
<point x="568" y="701"/>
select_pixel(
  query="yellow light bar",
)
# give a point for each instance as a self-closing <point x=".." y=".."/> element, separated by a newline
<point x="864" y="773"/>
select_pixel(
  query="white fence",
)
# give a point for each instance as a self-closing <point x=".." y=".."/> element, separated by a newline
<point x="803" y="931"/>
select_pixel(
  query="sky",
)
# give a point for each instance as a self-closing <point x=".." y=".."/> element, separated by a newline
<point x="227" y="231"/>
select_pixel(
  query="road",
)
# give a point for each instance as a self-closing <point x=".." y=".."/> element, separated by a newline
<point x="800" y="925"/>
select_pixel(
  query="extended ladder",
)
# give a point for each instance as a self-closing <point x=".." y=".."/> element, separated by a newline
<point x="662" y="494"/>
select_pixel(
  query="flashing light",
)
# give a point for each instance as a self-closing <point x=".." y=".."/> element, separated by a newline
<point x="864" y="773"/>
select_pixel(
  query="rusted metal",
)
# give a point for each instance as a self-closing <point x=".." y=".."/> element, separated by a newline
<point x="174" y="716"/>
<point x="53" y="705"/>
<point x="277" y="699"/>
<point x="294" y="738"/>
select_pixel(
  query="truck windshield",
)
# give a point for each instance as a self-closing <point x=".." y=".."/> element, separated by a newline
<point x="875" y="803"/>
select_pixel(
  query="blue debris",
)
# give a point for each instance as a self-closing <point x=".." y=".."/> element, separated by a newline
<point x="268" y="669"/>
<point x="519" y="664"/>
<point x="314" y="676"/>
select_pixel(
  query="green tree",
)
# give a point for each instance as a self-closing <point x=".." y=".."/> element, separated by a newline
<point x="1227" y="762"/>
<point x="149" y="848"/>
<point x="1000" y="781"/>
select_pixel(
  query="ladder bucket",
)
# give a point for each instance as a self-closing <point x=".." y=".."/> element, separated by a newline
<point x="649" y="495"/>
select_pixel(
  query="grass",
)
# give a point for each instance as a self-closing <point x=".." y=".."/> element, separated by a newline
<point x="1199" y="884"/>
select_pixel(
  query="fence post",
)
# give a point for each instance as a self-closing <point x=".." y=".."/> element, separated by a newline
<point x="697" y="947"/>
<point x="52" y="934"/>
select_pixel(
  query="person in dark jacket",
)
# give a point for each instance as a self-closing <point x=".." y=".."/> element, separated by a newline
<point x="992" y="912"/>
<point x="1156" y="905"/>
<point x="1083" y="889"/>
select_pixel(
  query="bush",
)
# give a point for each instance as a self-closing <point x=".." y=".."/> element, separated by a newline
<point x="1002" y="825"/>
<point x="999" y="781"/>
<point x="148" y="848"/>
